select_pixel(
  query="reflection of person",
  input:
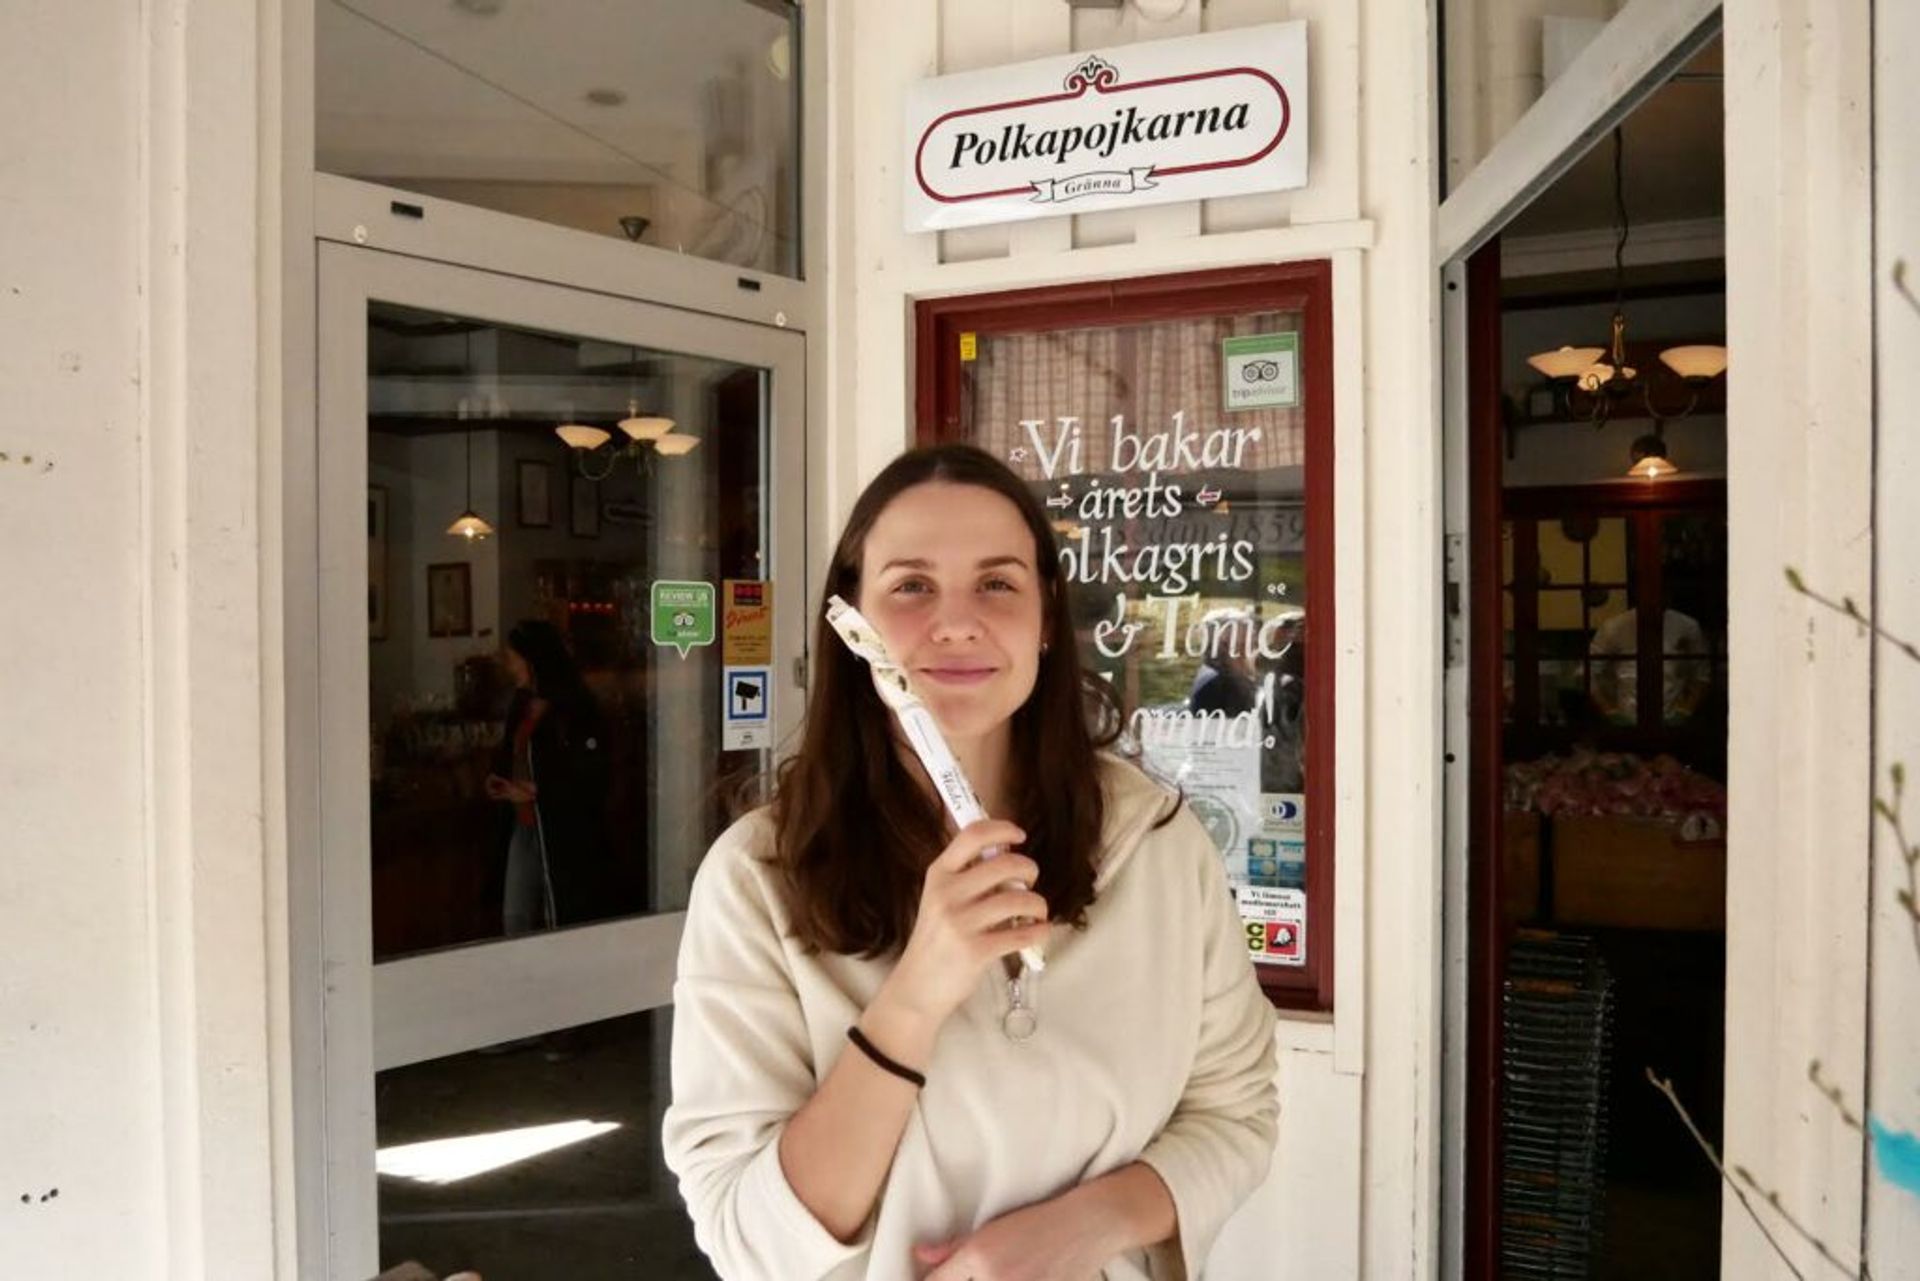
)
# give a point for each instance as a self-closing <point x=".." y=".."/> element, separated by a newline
<point x="1225" y="682"/>
<point x="550" y="773"/>
<point x="849" y="1097"/>
<point x="1684" y="680"/>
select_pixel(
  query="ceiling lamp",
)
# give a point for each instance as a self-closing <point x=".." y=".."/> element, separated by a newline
<point x="645" y="435"/>
<point x="1594" y="382"/>
<point x="581" y="436"/>
<point x="1650" y="461"/>
<point x="647" y="427"/>
<point x="468" y="524"/>
<point x="1701" y="362"/>
<point x="1565" y="362"/>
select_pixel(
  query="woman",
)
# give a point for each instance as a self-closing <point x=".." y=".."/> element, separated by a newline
<point x="550" y="774"/>
<point x="851" y="1096"/>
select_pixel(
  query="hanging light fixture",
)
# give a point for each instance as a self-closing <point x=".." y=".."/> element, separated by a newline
<point x="1649" y="454"/>
<point x="469" y="524"/>
<point x="646" y="434"/>
<point x="1597" y="381"/>
<point x="649" y="427"/>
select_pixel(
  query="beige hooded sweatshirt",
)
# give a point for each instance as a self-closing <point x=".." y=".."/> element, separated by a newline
<point x="1154" y="1044"/>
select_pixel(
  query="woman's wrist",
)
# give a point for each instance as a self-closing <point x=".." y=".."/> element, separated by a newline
<point x="899" y="1029"/>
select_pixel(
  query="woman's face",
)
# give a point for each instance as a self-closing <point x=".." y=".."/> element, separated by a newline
<point x="948" y="578"/>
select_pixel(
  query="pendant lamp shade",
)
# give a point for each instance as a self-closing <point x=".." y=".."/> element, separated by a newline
<point x="469" y="524"/>
<point x="1650" y="461"/>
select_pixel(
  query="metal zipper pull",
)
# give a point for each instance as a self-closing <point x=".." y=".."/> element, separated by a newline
<point x="1019" y="1022"/>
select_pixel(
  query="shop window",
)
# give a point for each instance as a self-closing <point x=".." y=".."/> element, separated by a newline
<point x="1181" y="431"/>
<point x="674" y="124"/>
<point x="538" y="760"/>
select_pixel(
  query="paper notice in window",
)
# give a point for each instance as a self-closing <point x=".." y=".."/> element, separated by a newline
<point x="1276" y="924"/>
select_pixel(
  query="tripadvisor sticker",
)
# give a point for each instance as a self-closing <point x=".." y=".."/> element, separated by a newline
<point x="1261" y="371"/>
<point x="682" y="615"/>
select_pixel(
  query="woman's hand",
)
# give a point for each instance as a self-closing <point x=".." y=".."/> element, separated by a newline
<point x="1047" y="1241"/>
<point x="1070" y="1237"/>
<point x="966" y="906"/>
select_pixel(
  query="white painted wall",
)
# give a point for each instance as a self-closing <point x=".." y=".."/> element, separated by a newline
<point x="1800" y="491"/>
<point x="1496" y="68"/>
<point x="1893" y="1084"/>
<point x="1354" y="1190"/>
<point x="133" y="946"/>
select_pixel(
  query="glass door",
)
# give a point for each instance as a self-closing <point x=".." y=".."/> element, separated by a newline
<point x="560" y="560"/>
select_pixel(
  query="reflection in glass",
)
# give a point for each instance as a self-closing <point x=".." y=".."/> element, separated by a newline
<point x="671" y="123"/>
<point x="537" y="762"/>
<point x="1176" y="478"/>
<point x="536" y="1159"/>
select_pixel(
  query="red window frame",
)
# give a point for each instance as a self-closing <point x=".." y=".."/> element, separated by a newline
<point x="1305" y="287"/>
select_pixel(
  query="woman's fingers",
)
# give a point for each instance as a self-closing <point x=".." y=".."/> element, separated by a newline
<point x="996" y="910"/>
<point x="974" y="839"/>
<point x="990" y="874"/>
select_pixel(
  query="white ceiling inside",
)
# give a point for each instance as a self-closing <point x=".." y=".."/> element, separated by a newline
<point x="497" y="89"/>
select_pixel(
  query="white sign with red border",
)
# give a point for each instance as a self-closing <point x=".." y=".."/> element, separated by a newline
<point x="1219" y="114"/>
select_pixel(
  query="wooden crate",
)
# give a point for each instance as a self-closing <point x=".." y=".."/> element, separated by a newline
<point x="1627" y="873"/>
<point x="1520" y="866"/>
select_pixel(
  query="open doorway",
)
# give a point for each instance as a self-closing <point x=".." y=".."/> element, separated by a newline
<point x="1597" y="623"/>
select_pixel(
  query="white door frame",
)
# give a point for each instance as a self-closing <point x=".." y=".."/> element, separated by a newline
<point x="374" y="1017"/>
<point x="1637" y="51"/>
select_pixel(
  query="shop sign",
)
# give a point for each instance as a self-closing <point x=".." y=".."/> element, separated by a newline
<point x="1276" y="924"/>
<point x="746" y="708"/>
<point x="682" y="615"/>
<point x="746" y="622"/>
<point x="1219" y="114"/>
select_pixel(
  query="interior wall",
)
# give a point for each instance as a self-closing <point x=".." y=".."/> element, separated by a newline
<point x="1354" y="1188"/>
<point x="135" y="1139"/>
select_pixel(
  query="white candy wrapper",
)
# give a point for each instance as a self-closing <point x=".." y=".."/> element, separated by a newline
<point x="922" y="731"/>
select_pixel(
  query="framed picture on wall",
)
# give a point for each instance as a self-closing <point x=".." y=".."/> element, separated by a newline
<point x="450" y="599"/>
<point x="585" y="522"/>
<point x="536" y="494"/>
<point x="376" y="562"/>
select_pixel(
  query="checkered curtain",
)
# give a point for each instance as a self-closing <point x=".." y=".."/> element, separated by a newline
<point x="1147" y="372"/>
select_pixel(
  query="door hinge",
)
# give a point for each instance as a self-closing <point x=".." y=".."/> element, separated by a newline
<point x="800" y="671"/>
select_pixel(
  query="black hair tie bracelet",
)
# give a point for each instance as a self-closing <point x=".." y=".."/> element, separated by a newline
<point x="881" y="1061"/>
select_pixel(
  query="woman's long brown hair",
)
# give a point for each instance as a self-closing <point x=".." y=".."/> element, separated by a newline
<point x="855" y="829"/>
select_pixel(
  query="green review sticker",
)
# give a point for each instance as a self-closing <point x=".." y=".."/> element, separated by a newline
<point x="1261" y="371"/>
<point x="682" y="615"/>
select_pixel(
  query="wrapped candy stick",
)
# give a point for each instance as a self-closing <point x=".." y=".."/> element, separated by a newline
<point x="922" y="731"/>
